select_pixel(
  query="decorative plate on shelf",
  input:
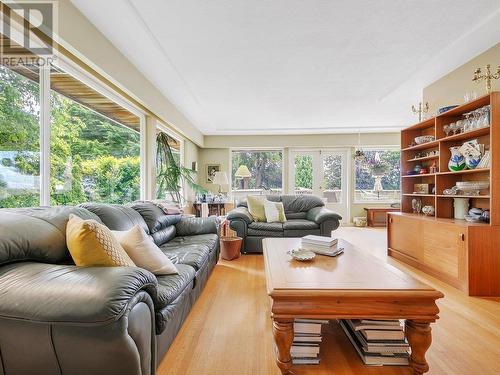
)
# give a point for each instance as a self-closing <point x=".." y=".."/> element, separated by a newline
<point x="424" y="139"/>
<point x="446" y="109"/>
<point x="301" y="254"/>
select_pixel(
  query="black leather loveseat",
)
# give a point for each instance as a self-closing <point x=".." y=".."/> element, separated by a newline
<point x="306" y="214"/>
<point x="56" y="318"/>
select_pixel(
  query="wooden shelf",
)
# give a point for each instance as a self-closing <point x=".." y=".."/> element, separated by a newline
<point x="463" y="196"/>
<point x="419" y="195"/>
<point x="423" y="146"/>
<point x="457" y="252"/>
<point x="418" y="175"/>
<point x="467" y="135"/>
<point x="428" y="123"/>
<point x="467" y="107"/>
<point x="465" y="171"/>
<point x="424" y="158"/>
<point x="438" y="219"/>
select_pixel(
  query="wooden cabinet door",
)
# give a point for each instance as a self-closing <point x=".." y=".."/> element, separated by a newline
<point x="405" y="236"/>
<point x="445" y="251"/>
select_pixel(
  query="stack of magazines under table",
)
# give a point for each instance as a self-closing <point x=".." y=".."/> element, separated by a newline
<point x="306" y="341"/>
<point x="378" y="342"/>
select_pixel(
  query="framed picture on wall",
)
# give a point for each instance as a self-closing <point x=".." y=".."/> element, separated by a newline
<point x="211" y="169"/>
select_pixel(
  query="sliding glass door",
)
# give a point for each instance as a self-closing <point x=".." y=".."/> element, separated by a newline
<point x="322" y="173"/>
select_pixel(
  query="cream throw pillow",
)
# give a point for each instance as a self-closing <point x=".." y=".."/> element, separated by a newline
<point x="144" y="252"/>
<point x="92" y="244"/>
<point x="275" y="212"/>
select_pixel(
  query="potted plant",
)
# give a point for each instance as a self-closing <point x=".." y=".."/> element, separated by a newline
<point x="171" y="175"/>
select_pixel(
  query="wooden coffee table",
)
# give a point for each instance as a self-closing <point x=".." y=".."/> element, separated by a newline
<point x="354" y="285"/>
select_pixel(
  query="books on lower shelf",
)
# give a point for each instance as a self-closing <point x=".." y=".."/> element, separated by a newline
<point x="321" y="245"/>
<point x="306" y="341"/>
<point x="378" y="342"/>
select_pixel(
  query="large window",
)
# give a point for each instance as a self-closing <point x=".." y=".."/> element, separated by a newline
<point x="377" y="177"/>
<point x="94" y="143"/>
<point x="259" y="171"/>
<point x="19" y="140"/>
<point x="92" y="159"/>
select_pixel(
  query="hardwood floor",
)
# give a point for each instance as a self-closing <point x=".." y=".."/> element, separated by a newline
<point x="229" y="329"/>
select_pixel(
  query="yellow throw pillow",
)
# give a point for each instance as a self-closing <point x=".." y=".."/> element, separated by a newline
<point x="281" y="210"/>
<point x="256" y="207"/>
<point x="92" y="244"/>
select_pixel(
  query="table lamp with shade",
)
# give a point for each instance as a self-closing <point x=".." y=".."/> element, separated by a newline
<point x="242" y="172"/>
<point x="220" y="178"/>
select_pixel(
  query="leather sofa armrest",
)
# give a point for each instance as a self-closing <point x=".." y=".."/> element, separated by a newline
<point x="240" y="213"/>
<point x="321" y="214"/>
<point x="191" y="226"/>
<point x="49" y="293"/>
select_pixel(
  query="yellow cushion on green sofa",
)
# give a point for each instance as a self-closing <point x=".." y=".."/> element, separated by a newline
<point x="92" y="244"/>
<point x="256" y="207"/>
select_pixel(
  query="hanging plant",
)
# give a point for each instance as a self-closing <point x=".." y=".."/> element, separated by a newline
<point x="378" y="167"/>
<point x="359" y="155"/>
<point x="170" y="174"/>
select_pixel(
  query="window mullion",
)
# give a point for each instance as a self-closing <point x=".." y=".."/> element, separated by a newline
<point x="45" y="136"/>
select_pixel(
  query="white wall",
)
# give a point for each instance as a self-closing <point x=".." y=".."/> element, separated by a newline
<point x="450" y="89"/>
<point x="191" y="154"/>
<point x="207" y="156"/>
<point x="306" y="140"/>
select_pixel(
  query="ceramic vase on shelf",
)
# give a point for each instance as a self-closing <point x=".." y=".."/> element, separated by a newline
<point x="416" y="205"/>
<point x="472" y="161"/>
<point x="457" y="160"/>
<point x="428" y="210"/>
<point x="460" y="207"/>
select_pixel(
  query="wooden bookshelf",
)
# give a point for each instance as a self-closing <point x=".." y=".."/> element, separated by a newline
<point x="461" y="253"/>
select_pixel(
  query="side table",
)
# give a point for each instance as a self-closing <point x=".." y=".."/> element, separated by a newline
<point x="377" y="217"/>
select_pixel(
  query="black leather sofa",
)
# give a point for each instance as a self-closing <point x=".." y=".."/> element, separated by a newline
<point x="306" y="214"/>
<point x="56" y="318"/>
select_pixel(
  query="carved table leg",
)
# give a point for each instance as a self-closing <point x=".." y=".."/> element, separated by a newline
<point x="283" y="337"/>
<point x="419" y="337"/>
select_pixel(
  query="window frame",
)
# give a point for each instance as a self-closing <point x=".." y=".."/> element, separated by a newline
<point x="381" y="201"/>
<point x="45" y="123"/>
<point x="258" y="149"/>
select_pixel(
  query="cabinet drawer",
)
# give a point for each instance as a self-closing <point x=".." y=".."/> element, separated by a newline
<point x="405" y="236"/>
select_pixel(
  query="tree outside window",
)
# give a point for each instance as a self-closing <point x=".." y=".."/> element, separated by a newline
<point x="92" y="159"/>
<point x="19" y="140"/>
<point x="265" y="168"/>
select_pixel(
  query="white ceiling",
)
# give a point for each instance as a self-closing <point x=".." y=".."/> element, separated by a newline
<point x="295" y="66"/>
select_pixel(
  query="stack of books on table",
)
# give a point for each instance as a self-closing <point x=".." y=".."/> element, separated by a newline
<point x="306" y="341"/>
<point x="321" y="245"/>
<point x="378" y="342"/>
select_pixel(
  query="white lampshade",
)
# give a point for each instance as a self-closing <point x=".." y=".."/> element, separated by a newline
<point x="242" y="172"/>
<point x="220" y="178"/>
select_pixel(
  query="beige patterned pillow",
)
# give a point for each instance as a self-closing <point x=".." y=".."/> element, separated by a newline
<point x="92" y="244"/>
